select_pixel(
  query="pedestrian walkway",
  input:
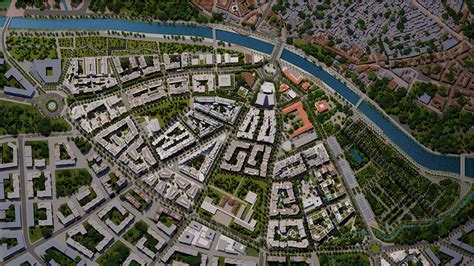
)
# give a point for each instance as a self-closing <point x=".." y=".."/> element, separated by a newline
<point x="358" y="103"/>
<point x="277" y="51"/>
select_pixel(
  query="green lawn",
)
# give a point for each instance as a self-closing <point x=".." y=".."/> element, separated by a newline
<point x="116" y="43"/>
<point x="142" y="44"/>
<point x="197" y="161"/>
<point x="59" y="257"/>
<point x="95" y="42"/>
<point x="38" y="232"/>
<point x="29" y="48"/>
<point x="90" y="239"/>
<point x="5" y="3"/>
<point x="443" y="257"/>
<point x="227" y="182"/>
<point x="39" y="149"/>
<point x="136" y="232"/>
<point x="63" y="155"/>
<point x="98" y="45"/>
<point x="254" y="185"/>
<point x="65" y="210"/>
<point x="172" y="47"/>
<point x="167" y="220"/>
<point x="113" y="182"/>
<point x="11" y="242"/>
<point x="250" y="251"/>
<point x="166" y="110"/>
<point x="8" y="185"/>
<point x="191" y="260"/>
<point x="260" y="188"/>
<point x="115" y="216"/>
<point x="88" y="198"/>
<point x="115" y="255"/>
<point x="39" y="214"/>
<point x="468" y="238"/>
<point x="9" y="214"/>
<point x="375" y="248"/>
<point x="7" y="153"/>
<point x="81" y="52"/>
<point x="35" y="234"/>
<point x="39" y="184"/>
<point x="66" y="42"/>
<point x="367" y="174"/>
<point x="49" y="72"/>
<point x="221" y="261"/>
<point x="215" y="195"/>
<point x="22" y="119"/>
<point x="82" y="144"/>
<point x="68" y="181"/>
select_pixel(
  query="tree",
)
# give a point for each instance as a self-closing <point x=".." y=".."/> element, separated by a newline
<point x="217" y="17"/>
<point x="468" y="30"/>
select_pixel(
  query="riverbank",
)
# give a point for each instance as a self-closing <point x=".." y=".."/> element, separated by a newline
<point x="422" y="156"/>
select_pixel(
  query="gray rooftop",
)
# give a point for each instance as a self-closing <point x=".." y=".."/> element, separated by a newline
<point x="27" y="91"/>
<point x="40" y="70"/>
<point x="8" y="252"/>
<point x="11" y="225"/>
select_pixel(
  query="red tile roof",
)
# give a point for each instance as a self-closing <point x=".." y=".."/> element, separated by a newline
<point x="303" y="115"/>
<point x="284" y="87"/>
<point x="306" y="86"/>
<point x="290" y="76"/>
<point x="321" y="106"/>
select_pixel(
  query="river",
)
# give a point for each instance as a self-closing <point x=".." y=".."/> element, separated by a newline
<point x="424" y="157"/>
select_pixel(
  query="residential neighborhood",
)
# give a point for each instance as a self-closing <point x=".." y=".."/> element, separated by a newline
<point x="236" y="132"/>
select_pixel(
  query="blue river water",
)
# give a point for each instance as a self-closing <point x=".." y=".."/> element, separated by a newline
<point x="438" y="162"/>
<point x="469" y="167"/>
<point x="313" y="69"/>
<point x="408" y="145"/>
<point x="428" y="159"/>
<point x="246" y="41"/>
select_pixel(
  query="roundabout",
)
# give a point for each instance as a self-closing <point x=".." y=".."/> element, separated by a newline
<point x="52" y="106"/>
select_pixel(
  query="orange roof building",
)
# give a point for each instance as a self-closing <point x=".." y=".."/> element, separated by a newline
<point x="306" y="86"/>
<point x="224" y="4"/>
<point x="248" y="58"/>
<point x="292" y="77"/>
<point x="303" y="116"/>
<point x="284" y="87"/>
<point x="392" y="85"/>
<point x="322" y="106"/>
